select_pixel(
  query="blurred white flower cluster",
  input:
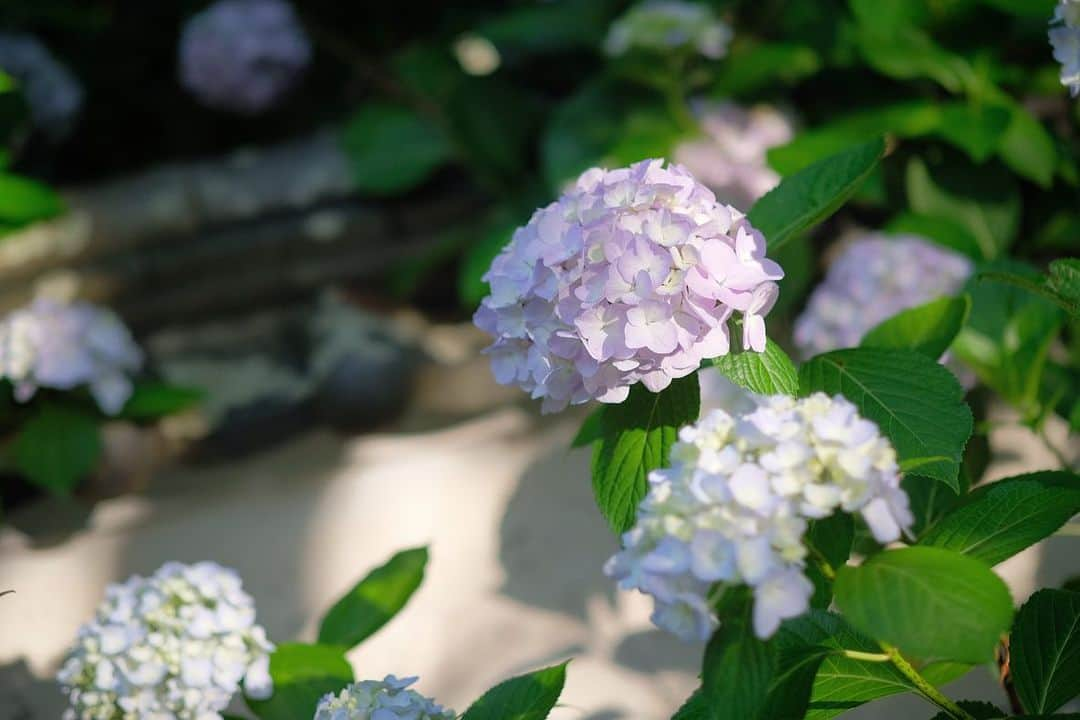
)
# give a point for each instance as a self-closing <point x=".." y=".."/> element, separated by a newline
<point x="243" y="55"/>
<point x="630" y="276"/>
<point x="666" y="25"/>
<point x="386" y="700"/>
<point x="53" y="94"/>
<point x="872" y="278"/>
<point x="174" y="645"/>
<point x="50" y="344"/>
<point x="1065" y="39"/>
<point x="731" y="157"/>
<point x="734" y="507"/>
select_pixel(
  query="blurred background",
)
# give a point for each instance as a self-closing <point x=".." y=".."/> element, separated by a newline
<point x="290" y="208"/>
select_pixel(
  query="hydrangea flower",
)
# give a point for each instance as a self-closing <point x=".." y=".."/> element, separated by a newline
<point x="872" y="278"/>
<point x="62" y="346"/>
<point x="731" y="157"/>
<point x="52" y="91"/>
<point x="386" y="700"/>
<point x="1065" y="39"/>
<point x="177" y="644"/>
<point x="733" y="508"/>
<point x="665" y="25"/>
<point x="243" y="55"/>
<point x="630" y="276"/>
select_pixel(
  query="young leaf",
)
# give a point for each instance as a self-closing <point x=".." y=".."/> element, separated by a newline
<point x="814" y="193"/>
<point x="739" y="668"/>
<point x="153" y="400"/>
<point x="928" y="329"/>
<point x="766" y="373"/>
<point x="374" y="600"/>
<point x="998" y="520"/>
<point x="916" y="403"/>
<point x="938" y="604"/>
<point x="637" y="435"/>
<point x="57" y="447"/>
<point x="1045" y="650"/>
<point x="526" y="697"/>
<point x="302" y="674"/>
<point x="392" y="149"/>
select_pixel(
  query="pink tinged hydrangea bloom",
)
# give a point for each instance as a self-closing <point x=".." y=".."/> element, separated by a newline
<point x="735" y="504"/>
<point x="631" y="276"/>
<point x="1065" y="39"/>
<point x="731" y="156"/>
<point x="872" y="278"/>
<point x="63" y="346"/>
<point x="243" y="55"/>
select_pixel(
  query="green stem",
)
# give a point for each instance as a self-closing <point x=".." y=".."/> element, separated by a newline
<point x="819" y="559"/>
<point x="930" y="692"/>
<point x="1058" y="455"/>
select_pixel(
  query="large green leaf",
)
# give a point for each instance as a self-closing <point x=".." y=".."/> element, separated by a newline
<point x="928" y="329"/>
<point x="526" y="697"/>
<point x="636" y="437"/>
<point x="814" y="193"/>
<point x="393" y="149"/>
<point x="767" y="373"/>
<point x="374" y="600"/>
<point x="984" y="199"/>
<point x="739" y="667"/>
<point x="998" y="520"/>
<point x="1045" y="650"/>
<point x="57" y="447"/>
<point x="938" y="604"/>
<point x="916" y="403"/>
<point x="302" y="674"/>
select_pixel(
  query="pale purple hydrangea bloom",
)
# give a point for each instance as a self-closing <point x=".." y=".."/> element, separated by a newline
<point x="872" y="278"/>
<point x="731" y="157"/>
<point x="52" y="92"/>
<point x="389" y="699"/>
<point x="734" y="507"/>
<point x="177" y="644"/>
<point x="669" y="25"/>
<point x="632" y="275"/>
<point x="1065" y="39"/>
<point x="243" y="55"/>
<point x="49" y="344"/>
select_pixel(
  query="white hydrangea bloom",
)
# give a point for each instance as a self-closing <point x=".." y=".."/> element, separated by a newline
<point x="731" y="157"/>
<point x="733" y="508"/>
<point x="667" y="25"/>
<point x="872" y="278"/>
<point x="1065" y="39"/>
<point x="386" y="700"/>
<point x="175" y="645"/>
<point x="631" y="276"/>
<point x="49" y="344"/>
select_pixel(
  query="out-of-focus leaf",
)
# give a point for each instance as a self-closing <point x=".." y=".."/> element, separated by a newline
<point x="550" y="27"/>
<point x="23" y="201"/>
<point x="153" y="400"/>
<point x="494" y="123"/>
<point x="591" y="429"/>
<point x="945" y="232"/>
<point x="581" y="131"/>
<point x="494" y="236"/>
<point x="1027" y="147"/>
<point x="928" y="329"/>
<point x="57" y="447"/>
<point x="750" y="67"/>
<point x="393" y="149"/>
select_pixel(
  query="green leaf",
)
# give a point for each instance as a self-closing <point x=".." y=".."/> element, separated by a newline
<point x="374" y="600"/>
<point x="695" y="708"/>
<point x="1027" y="147"/>
<point x="393" y="149"/>
<point x="23" y="201"/>
<point x="945" y="232"/>
<point x="637" y="435"/>
<point x="550" y="27"/>
<point x="766" y="373"/>
<point x="525" y="697"/>
<point x="1062" y="287"/>
<point x="814" y="193"/>
<point x="983" y="199"/>
<point x="591" y="430"/>
<point x="1045" y="650"/>
<point x="996" y="521"/>
<point x="739" y="667"/>
<point x="153" y="400"/>
<point x="302" y="674"/>
<point x="916" y="403"/>
<point x="752" y="66"/>
<point x="928" y="329"/>
<point x="940" y="605"/>
<point x="832" y="537"/>
<point x="57" y="447"/>
<point x="977" y="130"/>
<point x="930" y="500"/>
<point x="497" y="144"/>
<point x="841" y="682"/>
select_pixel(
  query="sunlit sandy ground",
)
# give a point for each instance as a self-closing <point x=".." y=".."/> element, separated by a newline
<point x="516" y="544"/>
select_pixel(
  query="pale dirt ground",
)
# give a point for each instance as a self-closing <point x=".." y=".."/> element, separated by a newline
<point x="516" y="550"/>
